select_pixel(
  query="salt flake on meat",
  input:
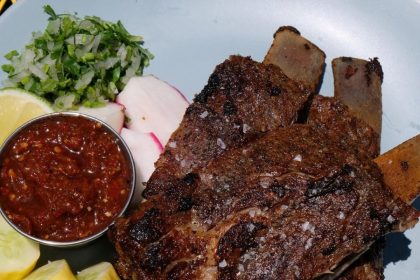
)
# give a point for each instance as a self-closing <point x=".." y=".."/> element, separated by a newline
<point x="307" y="226"/>
<point x="308" y="243"/>
<point x="245" y="128"/>
<point x="250" y="227"/>
<point x="220" y="143"/>
<point x="297" y="158"/>
<point x="204" y="114"/>
<point x="390" y="219"/>
<point x="222" y="264"/>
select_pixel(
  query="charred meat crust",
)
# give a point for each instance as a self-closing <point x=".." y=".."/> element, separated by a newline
<point x="346" y="59"/>
<point x="241" y="100"/>
<point x="365" y="100"/>
<point x="337" y="180"/>
<point x="373" y="66"/>
<point x="369" y="266"/>
<point x="234" y="243"/>
<point x="259" y="206"/>
<point x="148" y="229"/>
<point x="286" y="27"/>
<point x="331" y="114"/>
<point x="258" y="234"/>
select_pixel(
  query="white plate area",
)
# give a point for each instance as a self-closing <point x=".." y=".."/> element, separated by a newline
<point x="189" y="38"/>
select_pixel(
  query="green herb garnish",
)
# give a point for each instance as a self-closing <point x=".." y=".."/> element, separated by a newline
<point x="77" y="61"/>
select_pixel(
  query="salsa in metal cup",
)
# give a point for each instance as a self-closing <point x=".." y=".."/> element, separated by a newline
<point x="64" y="178"/>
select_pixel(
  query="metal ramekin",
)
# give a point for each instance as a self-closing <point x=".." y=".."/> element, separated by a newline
<point x="124" y="149"/>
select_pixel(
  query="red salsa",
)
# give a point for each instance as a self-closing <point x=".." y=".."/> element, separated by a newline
<point x="64" y="178"/>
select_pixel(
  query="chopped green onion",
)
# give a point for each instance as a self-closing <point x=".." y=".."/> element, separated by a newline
<point x="8" y="68"/>
<point x="77" y="61"/>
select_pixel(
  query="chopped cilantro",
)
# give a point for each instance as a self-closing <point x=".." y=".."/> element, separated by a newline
<point x="77" y="61"/>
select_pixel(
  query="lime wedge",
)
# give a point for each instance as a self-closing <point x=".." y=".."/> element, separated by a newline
<point x="56" y="270"/>
<point x="100" y="271"/>
<point x="18" y="255"/>
<point x="17" y="107"/>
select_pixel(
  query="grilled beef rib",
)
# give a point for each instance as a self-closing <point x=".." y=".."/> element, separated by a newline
<point x="290" y="203"/>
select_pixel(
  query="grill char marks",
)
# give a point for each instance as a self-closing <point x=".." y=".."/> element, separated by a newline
<point x="283" y="237"/>
<point x="336" y="181"/>
<point x="236" y="241"/>
<point x="232" y="201"/>
<point x="148" y="229"/>
<point x="241" y="100"/>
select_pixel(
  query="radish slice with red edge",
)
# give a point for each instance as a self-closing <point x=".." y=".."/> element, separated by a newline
<point x="112" y="114"/>
<point x="153" y="105"/>
<point x="145" y="149"/>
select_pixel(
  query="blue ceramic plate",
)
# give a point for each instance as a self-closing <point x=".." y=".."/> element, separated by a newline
<point x="189" y="38"/>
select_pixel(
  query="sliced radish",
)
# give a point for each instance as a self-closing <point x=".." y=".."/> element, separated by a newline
<point x="145" y="148"/>
<point x="153" y="105"/>
<point x="112" y="114"/>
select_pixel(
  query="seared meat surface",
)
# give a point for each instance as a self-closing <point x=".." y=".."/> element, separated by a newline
<point x="330" y="114"/>
<point x="357" y="84"/>
<point x="290" y="205"/>
<point x="341" y="125"/>
<point x="269" y="200"/>
<point x="370" y="266"/>
<point x="242" y="99"/>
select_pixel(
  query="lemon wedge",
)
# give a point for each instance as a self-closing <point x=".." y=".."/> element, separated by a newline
<point x="18" y="255"/>
<point x="100" y="271"/>
<point x="17" y="107"/>
<point x="56" y="270"/>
